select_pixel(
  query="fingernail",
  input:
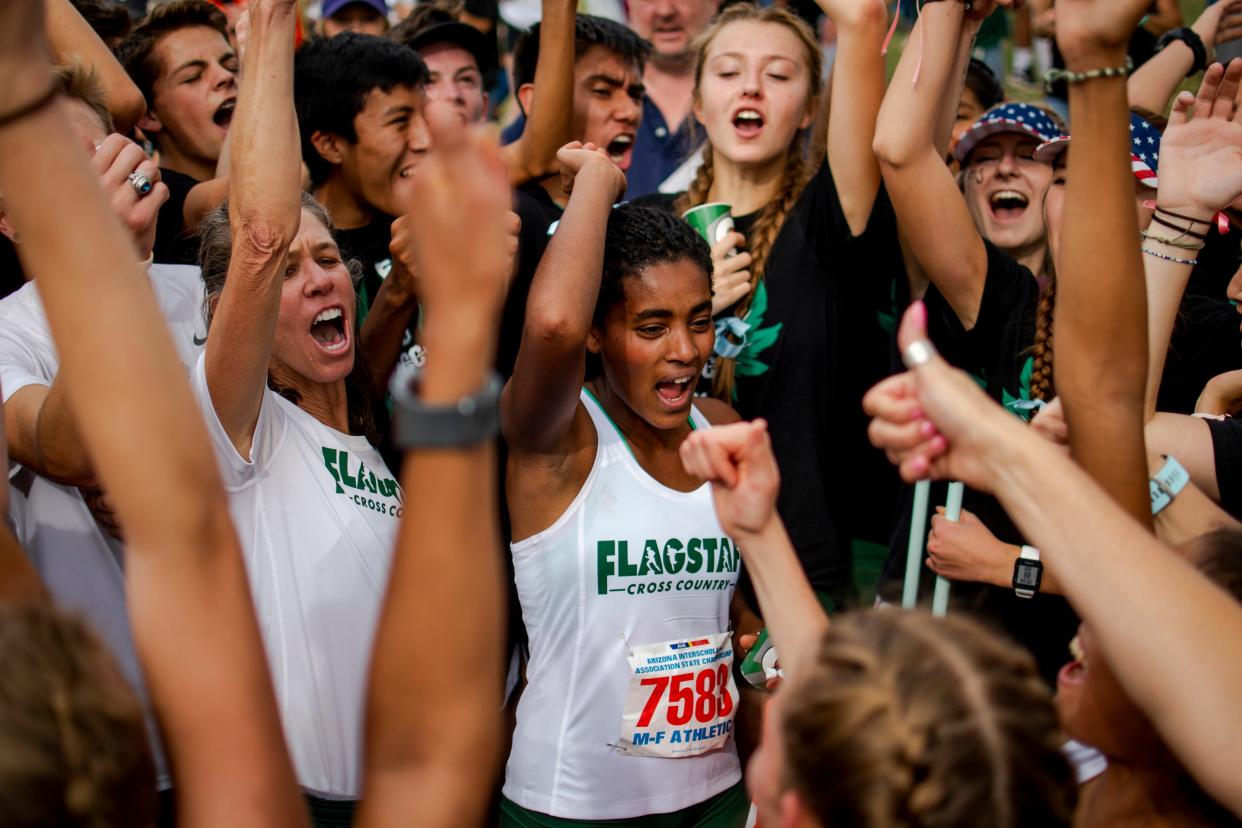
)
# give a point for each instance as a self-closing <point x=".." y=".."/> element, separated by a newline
<point x="927" y="428"/>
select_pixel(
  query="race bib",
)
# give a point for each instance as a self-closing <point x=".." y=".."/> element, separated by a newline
<point x="681" y="699"/>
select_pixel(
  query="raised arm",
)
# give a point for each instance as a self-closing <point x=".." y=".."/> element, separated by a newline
<point x="737" y="459"/>
<point x="548" y="122"/>
<point x="930" y="209"/>
<point x="1200" y="174"/>
<point x="74" y="41"/>
<point x="436" y="758"/>
<point x="1101" y="320"/>
<point x="1154" y="83"/>
<point x="1162" y="625"/>
<point x="858" y="87"/>
<point x="538" y="405"/>
<point x="189" y="597"/>
<point x="264" y="213"/>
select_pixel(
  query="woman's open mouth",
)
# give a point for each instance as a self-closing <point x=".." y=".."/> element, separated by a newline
<point x="328" y="330"/>
<point x="1008" y="205"/>
<point x="748" y="123"/>
<point x="675" y="393"/>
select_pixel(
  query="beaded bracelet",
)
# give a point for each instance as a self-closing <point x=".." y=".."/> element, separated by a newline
<point x="1055" y="75"/>
<point x="1174" y="259"/>
<point x="1174" y="242"/>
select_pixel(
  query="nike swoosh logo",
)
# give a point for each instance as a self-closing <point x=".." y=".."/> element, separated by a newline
<point x="198" y="343"/>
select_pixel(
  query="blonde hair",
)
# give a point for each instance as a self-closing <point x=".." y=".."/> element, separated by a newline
<point x="798" y="169"/>
<point x="908" y="721"/>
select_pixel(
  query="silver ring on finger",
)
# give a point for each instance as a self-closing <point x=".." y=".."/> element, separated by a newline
<point x="917" y="353"/>
<point x="141" y="184"/>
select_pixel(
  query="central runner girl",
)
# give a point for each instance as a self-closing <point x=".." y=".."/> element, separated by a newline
<point x="624" y="574"/>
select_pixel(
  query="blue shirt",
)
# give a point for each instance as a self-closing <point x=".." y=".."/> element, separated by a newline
<point x="658" y="151"/>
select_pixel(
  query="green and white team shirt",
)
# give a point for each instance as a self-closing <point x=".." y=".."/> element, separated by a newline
<point x="316" y="511"/>
<point x="630" y="699"/>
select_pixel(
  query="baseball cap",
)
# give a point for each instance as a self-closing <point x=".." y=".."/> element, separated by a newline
<point x="1144" y="150"/>
<point x="458" y="34"/>
<point x="1021" y="118"/>
<point x="331" y="7"/>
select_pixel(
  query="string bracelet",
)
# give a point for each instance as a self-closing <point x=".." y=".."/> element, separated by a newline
<point x="1174" y="242"/>
<point x="1171" y="214"/>
<point x="1185" y="231"/>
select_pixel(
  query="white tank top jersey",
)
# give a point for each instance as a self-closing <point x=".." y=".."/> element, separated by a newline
<point x="316" y="512"/>
<point x="630" y="563"/>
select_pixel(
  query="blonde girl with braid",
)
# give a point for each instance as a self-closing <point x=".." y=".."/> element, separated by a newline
<point x="796" y="291"/>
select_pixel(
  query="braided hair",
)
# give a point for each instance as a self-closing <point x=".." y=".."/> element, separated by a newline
<point x="798" y="170"/>
<point x="905" y="721"/>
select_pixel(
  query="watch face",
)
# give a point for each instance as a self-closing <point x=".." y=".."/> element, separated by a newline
<point x="1027" y="574"/>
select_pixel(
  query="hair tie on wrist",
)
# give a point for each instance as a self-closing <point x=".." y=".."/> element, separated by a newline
<point x="31" y="108"/>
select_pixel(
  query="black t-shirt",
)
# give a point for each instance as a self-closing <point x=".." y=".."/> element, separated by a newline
<point x="814" y="346"/>
<point x="1227" y="452"/>
<point x="12" y="277"/>
<point x="174" y="242"/>
<point x="538" y="213"/>
<point x="369" y="245"/>
<point x="997" y="353"/>
<point x="1206" y="342"/>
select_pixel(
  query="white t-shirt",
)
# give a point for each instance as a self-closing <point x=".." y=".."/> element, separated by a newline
<point x="81" y="564"/>
<point x="316" y="511"/>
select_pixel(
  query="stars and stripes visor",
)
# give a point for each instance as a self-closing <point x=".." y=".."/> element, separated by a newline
<point x="1020" y="118"/>
<point x="1144" y="150"/>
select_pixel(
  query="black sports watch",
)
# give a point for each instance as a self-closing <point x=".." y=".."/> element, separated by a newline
<point x="468" y="422"/>
<point x="1028" y="573"/>
<point x="1191" y="38"/>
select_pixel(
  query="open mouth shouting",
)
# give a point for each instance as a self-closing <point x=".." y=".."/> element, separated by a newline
<point x="329" y="331"/>
<point x="675" y="392"/>
<point x="620" y="149"/>
<point x="1008" y="205"/>
<point x="748" y="123"/>
<point x="223" y="116"/>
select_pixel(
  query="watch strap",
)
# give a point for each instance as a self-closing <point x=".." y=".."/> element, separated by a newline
<point x="1026" y="553"/>
<point x="467" y="422"/>
<point x="1192" y="40"/>
<point x="1167" y="484"/>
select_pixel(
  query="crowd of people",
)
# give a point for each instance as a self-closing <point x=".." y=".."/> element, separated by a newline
<point x="669" y="413"/>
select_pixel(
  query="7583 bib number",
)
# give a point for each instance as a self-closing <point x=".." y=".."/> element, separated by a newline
<point x="681" y="699"/>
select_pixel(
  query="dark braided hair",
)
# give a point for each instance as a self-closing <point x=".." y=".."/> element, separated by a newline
<point x="1042" y="387"/>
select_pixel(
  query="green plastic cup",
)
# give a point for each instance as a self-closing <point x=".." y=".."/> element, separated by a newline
<point x="712" y="221"/>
